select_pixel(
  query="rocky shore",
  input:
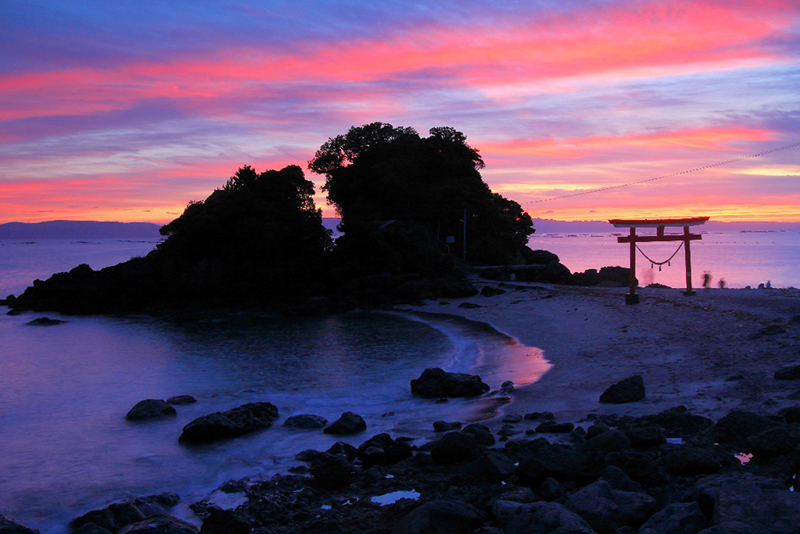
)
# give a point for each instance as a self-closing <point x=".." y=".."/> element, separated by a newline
<point x="679" y="415"/>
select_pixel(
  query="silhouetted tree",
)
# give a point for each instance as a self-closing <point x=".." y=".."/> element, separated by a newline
<point x="377" y="173"/>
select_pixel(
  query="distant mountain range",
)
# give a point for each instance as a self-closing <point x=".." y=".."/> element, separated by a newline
<point x="118" y="230"/>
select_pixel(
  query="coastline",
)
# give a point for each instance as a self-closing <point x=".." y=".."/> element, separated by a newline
<point x="713" y="352"/>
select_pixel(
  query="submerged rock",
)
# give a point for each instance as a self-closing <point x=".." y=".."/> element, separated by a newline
<point x="348" y="423"/>
<point x="181" y="399"/>
<point x="305" y="421"/>
<point x="232" y="423"/>
<point x="45" y="321"/>
<point x="436" y="383"/>
<point x="629" y="390"/>
<point x="150" y="409"/>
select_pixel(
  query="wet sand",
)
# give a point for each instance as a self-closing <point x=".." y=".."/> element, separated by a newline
<point x="712" y="352"/>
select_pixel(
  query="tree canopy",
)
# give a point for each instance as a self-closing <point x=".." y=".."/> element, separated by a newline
<point x="377" y="173"/>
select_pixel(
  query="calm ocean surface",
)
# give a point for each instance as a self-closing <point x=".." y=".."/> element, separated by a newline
<point x="65" y="447"/>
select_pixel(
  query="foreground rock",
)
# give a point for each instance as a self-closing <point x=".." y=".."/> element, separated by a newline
<point x="45" y="321"/>
<point x="126" y="514"/>
<point x="629" y="390"/>
<point x="305" y="422"/>
<point x="436" y="383"/>
<point x="603" y="481"/>
<point x="232" y="423"/>
<point x="150" y="409"/>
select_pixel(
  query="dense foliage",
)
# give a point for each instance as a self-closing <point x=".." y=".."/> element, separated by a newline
<point x="377" y="174"/>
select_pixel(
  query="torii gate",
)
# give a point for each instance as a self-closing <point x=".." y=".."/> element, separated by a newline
<point x="659" y="225"/>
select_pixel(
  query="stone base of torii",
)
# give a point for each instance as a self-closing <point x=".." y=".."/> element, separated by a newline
<point x="659" y="224"/>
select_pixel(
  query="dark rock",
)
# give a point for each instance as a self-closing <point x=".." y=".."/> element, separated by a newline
<point x="555" y="428"/>
<point x="307" y="455"/>
<point x="340" y="447"/>
<point x="791" y="372"/>
<point x="480" y="433"/>
<point x="7" y="526"/>
<point x="45" y="321"/>
<point x="550" y="461"/>
<point x="539" y="518"/>
<point x="162" y="524"/>
<point x="181" y="399"/>
<point x="90" y="528"/>
<point x="442" y="426"/>
<point x="383" y="450"/>
<point x="507" y="387"/>
<point x="435" y="383"/>
<point x="123" y="513"/>
<point x="646" y="436"/>
<point x="512" y="418"/>
<point x="619" y="479"/>
<point x="607" y="509"/>
<point x="451" y="517"/>
<point x="232" y="423"/>
<point x="679" y="423"/>
<point x="224" y="522"/>
<point x="677" y="518"/>
<point x="595" y="430"/>
<point x="532" y="416"/>
<point x="306" y="422"/>
<point x="734" y="378"/>
<point x="629" y="390"/>
<point x="610" y="441"/>
<point x="349" y="423"/>
<point x="708" y="489"/>
<point x="774" y="441"/>
<point x="455" y="447"/>
<point x="492" y="466"/>
<point x="691" y="461"/>
<point x="639" y="466"/>
<point x="552" y="490"/>
<point x="469" y="305"/>
<point x="763" y="511"/>
<point x="791" y="414"/>
<point x="331" y="471"/>
<point x="738" y="425"/>
<point x="150" y="409"/>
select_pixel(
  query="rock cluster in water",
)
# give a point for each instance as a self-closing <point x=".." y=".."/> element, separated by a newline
<point x="229" y="424"/>
<point x="436" y="383"/>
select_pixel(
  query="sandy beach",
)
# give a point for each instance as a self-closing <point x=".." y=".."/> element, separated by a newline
<point x="711" y="352"/>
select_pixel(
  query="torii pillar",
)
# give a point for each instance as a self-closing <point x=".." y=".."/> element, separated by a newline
<point x="659" y="224"/>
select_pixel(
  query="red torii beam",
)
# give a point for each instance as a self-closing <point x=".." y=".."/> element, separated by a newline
<point x="659" y="225"/>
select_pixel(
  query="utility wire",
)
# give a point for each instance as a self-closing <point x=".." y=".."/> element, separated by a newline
<point x="718" y="164"/>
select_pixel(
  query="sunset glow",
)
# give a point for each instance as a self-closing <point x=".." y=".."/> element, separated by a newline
<point x="127" y="112"/>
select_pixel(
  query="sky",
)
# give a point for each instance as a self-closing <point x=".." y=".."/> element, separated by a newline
<point x="126" y="111"/>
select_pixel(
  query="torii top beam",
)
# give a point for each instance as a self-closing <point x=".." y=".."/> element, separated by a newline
<point x="655" y="223"/>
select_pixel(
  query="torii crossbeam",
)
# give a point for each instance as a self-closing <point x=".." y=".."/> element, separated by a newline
<point x="659" y="225"/>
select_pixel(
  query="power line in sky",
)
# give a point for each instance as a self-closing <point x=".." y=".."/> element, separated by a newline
<point x="689" y="171"/>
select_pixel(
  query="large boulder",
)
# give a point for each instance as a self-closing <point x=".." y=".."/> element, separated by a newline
<point x="629" y="390"/>
<point x="763" y="511"/>
<point x="452" y="517"/>
<point x="331" y="471"/>
<point x="455" y="447"/>
<point x="677" y="518"/>
<point x="306" y="422"/>
<point x="607" y="509"/>
<point x="436" y="383"/>
<point x="150" y="409"/>
<point x="232" y="423"/>
<point x="539" y="518"/>
<point x="550" y="461"/>
<point x="348" y="423"/>
<point x="737" y="426"/>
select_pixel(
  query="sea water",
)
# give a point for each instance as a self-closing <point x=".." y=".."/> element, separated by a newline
<point x="741" y="259"/>
<point x="66" y="448"/>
